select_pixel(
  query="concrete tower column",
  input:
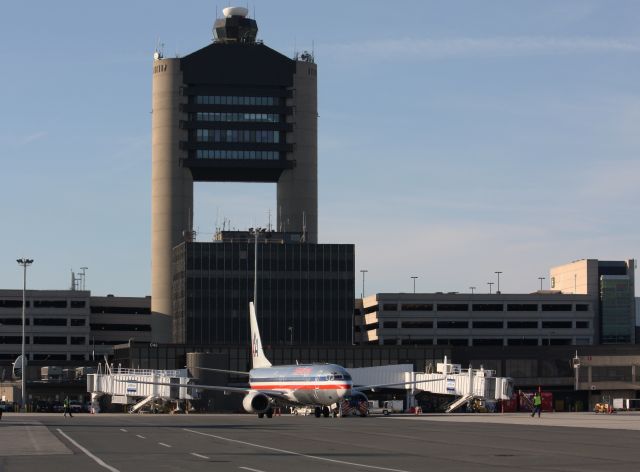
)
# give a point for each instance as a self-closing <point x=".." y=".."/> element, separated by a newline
<point x="171" y="190"/>
<point x="298" y="187"/>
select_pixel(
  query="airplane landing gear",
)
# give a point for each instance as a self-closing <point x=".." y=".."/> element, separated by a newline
<point x="325" y="411"/>
<point x="270" y="413"/>
<point x="260" y="415"/>
<point x="317" y="412"/>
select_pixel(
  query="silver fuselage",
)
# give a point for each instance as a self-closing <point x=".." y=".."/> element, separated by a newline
<point x="304" y="384"/>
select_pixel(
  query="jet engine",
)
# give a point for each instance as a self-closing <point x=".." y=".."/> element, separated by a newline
<point x="256" y="402"/>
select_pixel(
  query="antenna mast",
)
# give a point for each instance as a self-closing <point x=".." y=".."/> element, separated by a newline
<point x="255" y="272"/>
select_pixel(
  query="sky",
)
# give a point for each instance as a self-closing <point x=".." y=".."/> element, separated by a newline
<point x="456" y="138"/>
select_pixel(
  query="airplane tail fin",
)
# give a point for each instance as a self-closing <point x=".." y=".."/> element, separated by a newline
<point x="257" y="354"/>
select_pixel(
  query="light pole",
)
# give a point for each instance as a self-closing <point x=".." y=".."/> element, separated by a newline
<point x="414" y="277"/>
<point x="24" y="262"/>
<point x="364" y="271"/>
<point x="490" y="284"/>
<point x="541" y="279"/>
<point x="498" y="272"/>
<point x="291" y="335"/>
<point x="472" y="289"/>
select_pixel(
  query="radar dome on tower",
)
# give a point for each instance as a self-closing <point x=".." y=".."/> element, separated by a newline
<point x="235" y="27"/>
<point x="235" y="11"/>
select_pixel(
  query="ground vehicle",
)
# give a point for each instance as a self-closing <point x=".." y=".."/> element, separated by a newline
<point x="387" y="407"/>
<point x="75" y="406"/>
<point x="57" y="407"/>
<point x="42" y="406"/>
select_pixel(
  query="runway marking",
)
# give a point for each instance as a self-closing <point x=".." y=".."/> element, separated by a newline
<point x="163" y="444"/>
<point x="141" y="436"/>
<point x="293" y="453"/>
<point x="88" y="453"/>
<point x="123" y="430"/>
<point x="252" y="470"/>
<point x="198" y="455"/>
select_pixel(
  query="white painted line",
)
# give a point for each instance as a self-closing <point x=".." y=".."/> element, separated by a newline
<point x="293" y="453"/>
<point x="198" y="455"/>
<point x="163" y="444"/>
<point x="252" y="470"/>
<point x="88" y="453"/>
<point x="141" y="436"/>
<point x="123" y="430"/>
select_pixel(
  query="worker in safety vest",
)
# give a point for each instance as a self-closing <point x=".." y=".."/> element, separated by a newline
<point x="537" y="405"/>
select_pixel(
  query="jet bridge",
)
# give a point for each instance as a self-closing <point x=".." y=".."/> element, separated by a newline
<point x="124" y="387"/>
<point x="463" y="385"/>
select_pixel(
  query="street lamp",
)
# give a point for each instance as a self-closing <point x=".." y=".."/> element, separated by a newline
<point x="364" y="271"/>
<point x="541" y="279"/>
<point x="24" y="262"/>
<point x="498" y="272"/>
<point x="414" y="277"/>
<point x="472" y="289"/>
<point x="490" y="284"/>
<point x="291" y="335"/>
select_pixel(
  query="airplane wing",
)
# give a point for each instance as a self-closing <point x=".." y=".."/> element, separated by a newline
<point x="373" y="387"/>
<point x="220" y="388"/>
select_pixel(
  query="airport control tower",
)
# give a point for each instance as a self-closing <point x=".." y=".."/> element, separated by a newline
<point x="233" y="111"/>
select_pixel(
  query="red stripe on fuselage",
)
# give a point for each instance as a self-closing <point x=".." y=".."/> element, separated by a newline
<point x="300" y="387"/>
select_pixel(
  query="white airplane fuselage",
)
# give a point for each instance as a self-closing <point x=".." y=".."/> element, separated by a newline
<point x="304" y="384"/>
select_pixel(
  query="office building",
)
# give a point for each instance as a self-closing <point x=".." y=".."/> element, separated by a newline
<point x="611" y="286"/>
<point x="233" y="111"/>
<point x="305" y="291"/>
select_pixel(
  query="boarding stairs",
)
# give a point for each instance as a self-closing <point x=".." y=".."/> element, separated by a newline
<point x="142" y="403"/>
<point x="453" y="406"/>
<point x="528" y="400"/>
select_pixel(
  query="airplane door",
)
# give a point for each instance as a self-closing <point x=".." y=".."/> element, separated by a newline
<point x="316" y="390"/>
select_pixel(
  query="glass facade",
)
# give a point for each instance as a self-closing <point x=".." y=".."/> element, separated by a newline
<point x="616" y="309"/>
<point x="229" y="154"/>
<point x="235" y="100"/>
<point x="237" y="136"/>
<point x="236" y="117"/>
<point x="305" y="292"/>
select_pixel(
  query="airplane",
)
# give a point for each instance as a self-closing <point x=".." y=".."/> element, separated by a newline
<point x="319" y="386"/>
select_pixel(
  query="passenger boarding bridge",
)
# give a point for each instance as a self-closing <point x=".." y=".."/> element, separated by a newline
<point x="464" y="385"/>
<point x="124" y="388"/>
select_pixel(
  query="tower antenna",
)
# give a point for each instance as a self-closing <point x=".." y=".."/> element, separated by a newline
<point x="304" y="227"/>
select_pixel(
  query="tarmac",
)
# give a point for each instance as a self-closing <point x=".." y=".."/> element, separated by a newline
<point x="400" y="443"/>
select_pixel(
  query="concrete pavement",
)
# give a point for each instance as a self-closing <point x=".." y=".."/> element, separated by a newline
<point x="122" y="443"/>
